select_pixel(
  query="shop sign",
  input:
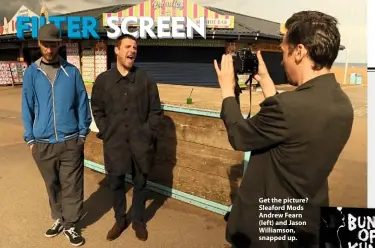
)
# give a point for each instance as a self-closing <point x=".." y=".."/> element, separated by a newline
<point x="10" y="27"/>
<point x="159" y="4"/>
<point x="174" y="8"/>
<point x="282" y="28"/>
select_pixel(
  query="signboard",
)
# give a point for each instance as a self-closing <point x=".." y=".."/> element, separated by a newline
<point x="175" y="8"/>
<point x="10" y="27"/>
<point x="282" y="28"/>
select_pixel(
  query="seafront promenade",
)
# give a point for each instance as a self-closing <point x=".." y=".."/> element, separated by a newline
<point x="24" y="210"/>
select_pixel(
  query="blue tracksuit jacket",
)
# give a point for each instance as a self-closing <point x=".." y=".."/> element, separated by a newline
<point x="56" y="111"/>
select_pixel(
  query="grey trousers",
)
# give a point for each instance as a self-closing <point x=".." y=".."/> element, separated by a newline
<point x="62" y="168"/>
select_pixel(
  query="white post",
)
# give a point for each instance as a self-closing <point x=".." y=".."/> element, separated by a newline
<point x="354" y="9"/>
<point x="347" y="58"/>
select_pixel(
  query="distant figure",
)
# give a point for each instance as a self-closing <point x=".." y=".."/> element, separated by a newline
<point x="56" y="117"/>
<point x="296" y="137"/>
<point x="127" y="111"/>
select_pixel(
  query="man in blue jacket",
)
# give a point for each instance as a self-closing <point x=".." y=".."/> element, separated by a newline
<point x="56" y="116"/>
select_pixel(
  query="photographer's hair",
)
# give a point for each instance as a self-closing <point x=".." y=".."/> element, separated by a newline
<point x="318" y="32"/>
<point x="122" y="37"/>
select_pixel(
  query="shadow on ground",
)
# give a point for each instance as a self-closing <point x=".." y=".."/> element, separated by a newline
<point x="100" y="202"/>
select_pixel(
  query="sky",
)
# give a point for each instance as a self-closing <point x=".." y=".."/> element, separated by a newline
<point x="352" y="15"/>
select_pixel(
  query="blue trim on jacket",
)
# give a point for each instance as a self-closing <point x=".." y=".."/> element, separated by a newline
<point x="56" y="111"/>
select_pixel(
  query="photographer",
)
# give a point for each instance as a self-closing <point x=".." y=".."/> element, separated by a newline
<point x="295" y="138"/>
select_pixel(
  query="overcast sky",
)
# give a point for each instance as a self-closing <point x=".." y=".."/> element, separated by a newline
<point x="352" y="15"/>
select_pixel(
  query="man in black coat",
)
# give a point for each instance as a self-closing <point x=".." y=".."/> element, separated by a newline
<point x="127" y="110"/>
<point x="295" y="138"/>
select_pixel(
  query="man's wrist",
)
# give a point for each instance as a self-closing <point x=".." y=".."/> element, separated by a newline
<point x="268" y="87"/>
<point x="227" y="93"/>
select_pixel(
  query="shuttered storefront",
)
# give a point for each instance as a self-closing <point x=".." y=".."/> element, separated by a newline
<point x="9" y="52"/>
<point x="178" y="65"/>
<point x="181" y="65"/>
<point x="192" y="65"/>
<point x="276" y="70"/>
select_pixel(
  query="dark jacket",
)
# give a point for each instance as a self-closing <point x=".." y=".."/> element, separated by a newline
<point x="54" y="111"/>
<point x="127" y="112"/>
<point x="295" y="140"/>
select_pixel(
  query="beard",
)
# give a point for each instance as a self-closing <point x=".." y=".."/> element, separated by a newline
<point x="49" y="56"/>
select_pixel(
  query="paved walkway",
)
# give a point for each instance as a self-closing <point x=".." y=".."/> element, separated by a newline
<point x="24" y="211"/>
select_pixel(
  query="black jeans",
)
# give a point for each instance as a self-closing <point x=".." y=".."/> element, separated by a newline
<point x="117" y="186"/>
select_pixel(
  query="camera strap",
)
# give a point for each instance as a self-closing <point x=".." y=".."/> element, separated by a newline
<point x="249" y="82"/>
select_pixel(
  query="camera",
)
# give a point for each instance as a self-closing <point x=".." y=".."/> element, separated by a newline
<point x="245" y="62"/>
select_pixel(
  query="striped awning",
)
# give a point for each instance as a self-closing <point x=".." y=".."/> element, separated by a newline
<point x="175" y="8"/>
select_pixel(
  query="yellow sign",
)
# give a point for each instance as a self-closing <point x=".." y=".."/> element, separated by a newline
<point x="282" y="28"/>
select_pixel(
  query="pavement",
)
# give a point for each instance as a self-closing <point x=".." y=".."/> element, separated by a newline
<point x="24" y="209"/>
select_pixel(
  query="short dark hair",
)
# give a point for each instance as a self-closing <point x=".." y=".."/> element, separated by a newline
<point x="124" y="36"/>
<point x="318" y="32"/>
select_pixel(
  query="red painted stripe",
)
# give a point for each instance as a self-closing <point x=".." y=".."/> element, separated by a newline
<point x="185" y="8"/>
<point x="163" y="10"/>
<point x="152" y="10"/>
<point x="142" y="9"/>
<point x="131" y="11"/>
<point x="184" y="11"/>
<point x="119" y="14"/>
<point x="227" y="17"/>
<point x="206" y="12"/>
<point x="195" y="15"/>
<point x="216" y="17"/>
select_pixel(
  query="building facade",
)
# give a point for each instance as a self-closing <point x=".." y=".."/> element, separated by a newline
<point x="187" y="62"/>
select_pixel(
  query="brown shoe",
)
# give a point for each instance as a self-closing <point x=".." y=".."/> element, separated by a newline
<point x="115" y="232"/>
<point x="140" y="230"/>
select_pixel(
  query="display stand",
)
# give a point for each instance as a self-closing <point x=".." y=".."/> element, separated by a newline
<point x="88" y="65"/>
<point x="5" y="74"/>
<point x="17" y="69"/>
<point x="11" y="72"/>
<point x="72" y="54"/>
<point x="100" y="58"/>
<point x="94" y="60"/>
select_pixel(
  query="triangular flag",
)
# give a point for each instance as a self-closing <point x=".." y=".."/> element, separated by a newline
<point x="44" y="12"/>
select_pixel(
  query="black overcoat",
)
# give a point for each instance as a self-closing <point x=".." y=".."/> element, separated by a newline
<point x="127" y="112"/>
<point x="295" y="139"/>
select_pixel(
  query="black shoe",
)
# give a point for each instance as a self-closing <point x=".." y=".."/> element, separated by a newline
<point x="54" y="230"/>
<point x="74" y="238"/>
<point x="140" y="230"/>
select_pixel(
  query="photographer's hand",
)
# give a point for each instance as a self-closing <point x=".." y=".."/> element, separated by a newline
<point x="225" y="76"/>
<point x="264" y="78"/>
